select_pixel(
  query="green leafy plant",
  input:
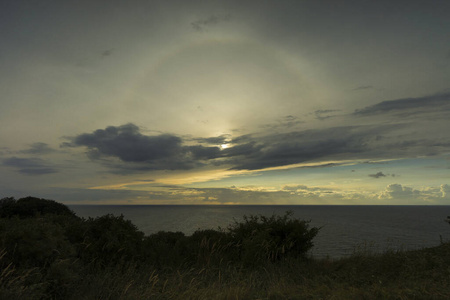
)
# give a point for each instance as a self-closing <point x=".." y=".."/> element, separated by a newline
<point x="260" y="238"/>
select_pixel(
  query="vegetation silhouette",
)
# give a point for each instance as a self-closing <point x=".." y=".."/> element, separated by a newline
<point x="47" y="252"/>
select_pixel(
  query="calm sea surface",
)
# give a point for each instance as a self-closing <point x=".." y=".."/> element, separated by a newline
<point x="344" y="228"/>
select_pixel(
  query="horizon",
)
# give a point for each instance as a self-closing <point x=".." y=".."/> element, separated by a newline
<point x="226" y="103"/>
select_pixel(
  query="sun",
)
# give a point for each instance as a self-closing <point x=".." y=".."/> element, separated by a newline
<point x="224" y="146"/>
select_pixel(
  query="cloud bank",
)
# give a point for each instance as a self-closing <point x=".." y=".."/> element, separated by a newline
<point x="126" y="148"/>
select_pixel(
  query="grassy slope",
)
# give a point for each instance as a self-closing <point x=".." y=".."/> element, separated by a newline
<point x="421" y="274"/>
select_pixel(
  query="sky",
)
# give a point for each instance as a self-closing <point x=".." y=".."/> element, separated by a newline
<point x="226" y="102"/>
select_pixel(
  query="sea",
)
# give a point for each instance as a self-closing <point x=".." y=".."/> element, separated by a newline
<point x="345" y="230"/>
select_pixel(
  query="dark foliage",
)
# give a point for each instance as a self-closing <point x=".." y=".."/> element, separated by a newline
<point x="165" y="249"/>
<point x="56" y="249"/>
<point x="261" y="238"/>
<point x="31" y="206"/>
<point x="110" y="239"/>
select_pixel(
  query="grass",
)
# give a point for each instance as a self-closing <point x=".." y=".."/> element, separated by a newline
<point x="419" y="274"/>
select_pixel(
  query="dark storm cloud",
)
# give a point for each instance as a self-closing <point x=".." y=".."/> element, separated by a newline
<point x="409" y="106"/>
<point x="38" y="148"/>
<point x="377" y="175"/>
<point x="128" y="144"/>
<point x="199" y="25"/>
<point x="29" y="166"/>
<point x="141" y="152"/>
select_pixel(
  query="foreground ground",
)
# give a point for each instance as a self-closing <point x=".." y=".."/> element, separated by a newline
<point x="423" y="274"/>
<point x="46" y="252"/>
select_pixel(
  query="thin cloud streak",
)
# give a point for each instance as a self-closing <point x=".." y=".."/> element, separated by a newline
<point x="29" y="166"/>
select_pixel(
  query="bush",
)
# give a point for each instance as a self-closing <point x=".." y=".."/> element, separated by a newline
<point x="33" y="242"/>
<point x="31" y="206"/>
<point x="109" y="239"/>
<point x="165" y="249"/>
<point x="260" y="238"/>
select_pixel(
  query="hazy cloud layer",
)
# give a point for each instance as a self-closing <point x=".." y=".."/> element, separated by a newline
<point x="409" y="106"/>
<point x="323" y="114"/>
<point x="29" y="166"/>
<point x="348" y="142"/>
<point x="285" y="123"/>
<point x="201" y="24"/>
<point x="363" y="87"/>
<point x="289" y="194"/>
<point x="229" y="93"/>
<point x="38" y="148"/>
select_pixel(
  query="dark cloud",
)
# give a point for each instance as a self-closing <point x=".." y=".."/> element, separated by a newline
<point x="377" y="175"/>
<point x="200" y="25"/>
<point x="38" y="148"/>
<point x="128" y="144"/>
<point x="321" y="145"/>
<point x="124" y="149"/>
<point x="409" y="106"/>
<point x="323" y="114"/>
<point x="218" y="140"/>
<point x="246" y="149"/>
<point x="201" y="152"/>
<point x="29" y="166"/>
<point x="301" y="146"/>
<point x="141" y="152"/>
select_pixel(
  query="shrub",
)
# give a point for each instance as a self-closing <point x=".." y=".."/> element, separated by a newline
<point x="110" y="239"/>
<point x="31" y="206"/>
<point x="35" y="242"/>
<point x="260" y="238"/>
<point x="165" y="248"/>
